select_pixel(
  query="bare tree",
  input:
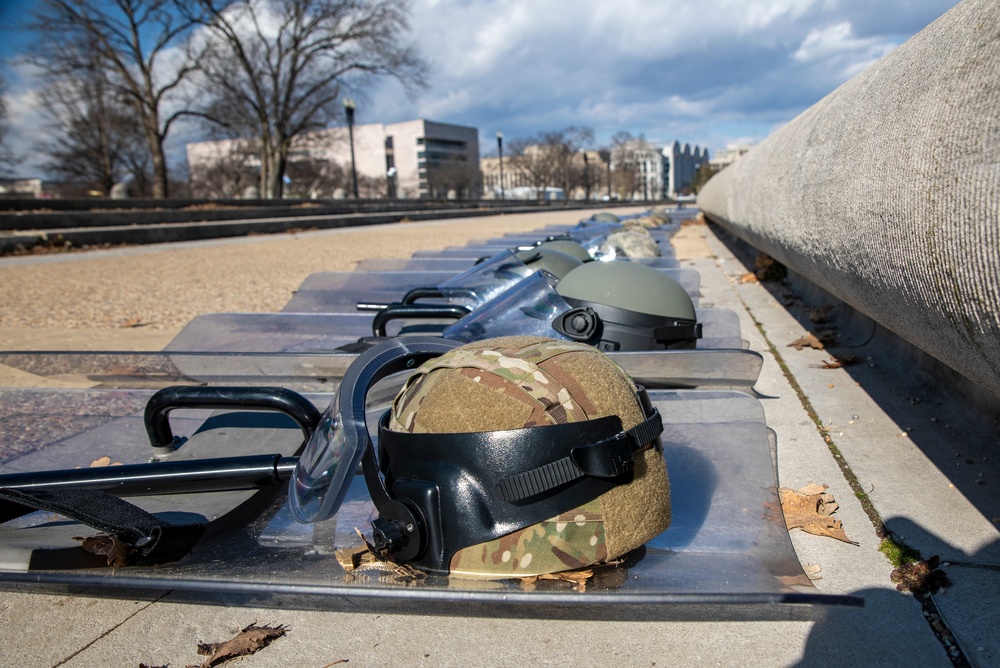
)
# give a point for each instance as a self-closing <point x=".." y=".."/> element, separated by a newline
<point x="7" y="158"/>
<point x="94" y="134"/>
<point x="454" y="175"/>
<point x="131" y="38"/>
<point x="276" y="69"/>
<point x="625" y="166"/>
<point x="227" y="171"/>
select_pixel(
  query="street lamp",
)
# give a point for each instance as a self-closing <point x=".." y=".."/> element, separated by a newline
<point x="500" y="149"/>
<point x="349" y="110"/>
<point x="586" y="175"/>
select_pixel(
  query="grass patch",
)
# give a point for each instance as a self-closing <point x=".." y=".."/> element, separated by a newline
<point x="898" y="552"/>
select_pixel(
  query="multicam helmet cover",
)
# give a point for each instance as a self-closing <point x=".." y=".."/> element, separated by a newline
<point x="516" y="382"/>
<point x="630" y="243"/>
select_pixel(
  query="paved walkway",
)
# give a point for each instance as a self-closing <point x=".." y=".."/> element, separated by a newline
<point x="904" y="461"/>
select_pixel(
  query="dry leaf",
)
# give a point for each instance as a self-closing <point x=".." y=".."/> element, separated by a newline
<point x="819" y="313"/>
<point x="117" y="551"/>
<point x="808" y="340"/>
<point x="367" y="558"/>
<point x="749" y="278"/>
<point x="103" y="461"/>
<point x="578" y="578"/>
<point x="246" y="642"/>
<point x="813" y="571"/>
<point x="809" y="509"/>
<point x="836" y="362"/>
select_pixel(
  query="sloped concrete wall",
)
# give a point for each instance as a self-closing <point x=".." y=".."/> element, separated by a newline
<point x="886" y="192"/>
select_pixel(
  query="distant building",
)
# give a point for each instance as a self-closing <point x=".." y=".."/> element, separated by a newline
<point x="587" y="173"/>
<point x="651" y="171"/>
<point x="412" y="159"/>
<point x="728" y="155"/>
<point x="21" y="188"/>
<point x="680" y="166"/>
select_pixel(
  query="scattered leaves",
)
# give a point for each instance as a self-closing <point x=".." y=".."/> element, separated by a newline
<point x="133" y="322"/>
<point x="248" y="641"/>
<point x="819" y="313"/>
<point x="920" y="576"/>
<point x="117" y="550"/>
<point x="768" y="269"/>
<point x="810" y="509"/>
<point x="578" y="578"/>
<point x="837" y="362"/>
<point x="103" y="461"/>
<point x="808" y="340"/>
<point x="367" y="558"/>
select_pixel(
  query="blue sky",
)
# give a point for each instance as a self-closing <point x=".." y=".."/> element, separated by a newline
<point x="706" y="72"/>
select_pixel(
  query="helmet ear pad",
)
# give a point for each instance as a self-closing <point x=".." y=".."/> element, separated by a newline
<point x="590" y="386"/>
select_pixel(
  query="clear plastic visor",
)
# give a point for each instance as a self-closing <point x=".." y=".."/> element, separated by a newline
<point x="486" y="280"/>
<point x="527" y="308"/>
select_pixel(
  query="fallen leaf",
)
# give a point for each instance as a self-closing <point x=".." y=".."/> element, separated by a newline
<point x="810" y="510"/>
<point x="749" y="278"/>
<point x="103" y="461"/>
<point x="808" y="340"/>
<point x="248" y="641"/>
<point x="813" y="571"/>
<point x="836" y="362"/>
<point x="819" y="313"/>
<point x="117" y="551"/>
<point x="578" y="578"/>
<point x="367" y="558"/>
<point x="133" y="322"/>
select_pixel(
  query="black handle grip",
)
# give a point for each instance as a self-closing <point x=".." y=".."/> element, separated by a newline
<point x="416" y="311"/>
<point x="279" y="399"/>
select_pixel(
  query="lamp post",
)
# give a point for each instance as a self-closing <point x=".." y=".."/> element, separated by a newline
<point x="500" y="149"/>
<point x="586" y="175"/>
<point x="349" y="110"/>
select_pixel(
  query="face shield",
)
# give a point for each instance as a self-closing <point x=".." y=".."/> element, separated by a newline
<point x="324" y="471"/>
<point x="527" y="308"/>
<point x="485" y="280"/>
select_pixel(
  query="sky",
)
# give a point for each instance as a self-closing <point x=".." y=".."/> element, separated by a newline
<point x="709" y="73"/>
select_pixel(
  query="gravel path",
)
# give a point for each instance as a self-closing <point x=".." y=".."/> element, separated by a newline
<point x="86" y="299"/>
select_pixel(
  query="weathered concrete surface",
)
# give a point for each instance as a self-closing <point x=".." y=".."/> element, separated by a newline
<point x="886" y="193"/>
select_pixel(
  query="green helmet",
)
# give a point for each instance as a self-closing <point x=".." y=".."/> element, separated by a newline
<point x="605" y="217"/>
<point x="622" y="305"/>
<point x="568" y="247"/>
<point x="546" y="258"/>
<point x="547" y="496"/>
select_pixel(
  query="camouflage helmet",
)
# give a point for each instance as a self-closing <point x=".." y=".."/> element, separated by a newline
<point x="493" y="434"/>
<point x="636" y="225"/>
<point x="660" y="216"/>
<point x="630" y="243"/>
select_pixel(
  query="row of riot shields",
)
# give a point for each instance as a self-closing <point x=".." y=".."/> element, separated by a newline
<point x="209" y="430"/>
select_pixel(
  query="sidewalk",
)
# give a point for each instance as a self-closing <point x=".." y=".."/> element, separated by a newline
<point x="901" y="466"/>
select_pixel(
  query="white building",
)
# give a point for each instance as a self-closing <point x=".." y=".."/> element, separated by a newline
<point x="728" y="155"/>
<point x="659" y="172"/>
<point x="412" y="159"/>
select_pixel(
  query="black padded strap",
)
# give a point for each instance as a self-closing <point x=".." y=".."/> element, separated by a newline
<point x="155" y="540"/>
<point x="608" y="458"/>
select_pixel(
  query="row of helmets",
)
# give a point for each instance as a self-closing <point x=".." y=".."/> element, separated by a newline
<point x="515" y="445"/>
<point x="570" y="286"/>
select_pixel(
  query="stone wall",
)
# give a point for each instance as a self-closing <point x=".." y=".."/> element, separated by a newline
<point x="886" y="193"/>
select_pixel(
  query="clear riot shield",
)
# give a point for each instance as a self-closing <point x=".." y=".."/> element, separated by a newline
<point x="726" y="546"/>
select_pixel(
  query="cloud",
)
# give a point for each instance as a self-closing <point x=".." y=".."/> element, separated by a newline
<point x="704" y="73"/>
